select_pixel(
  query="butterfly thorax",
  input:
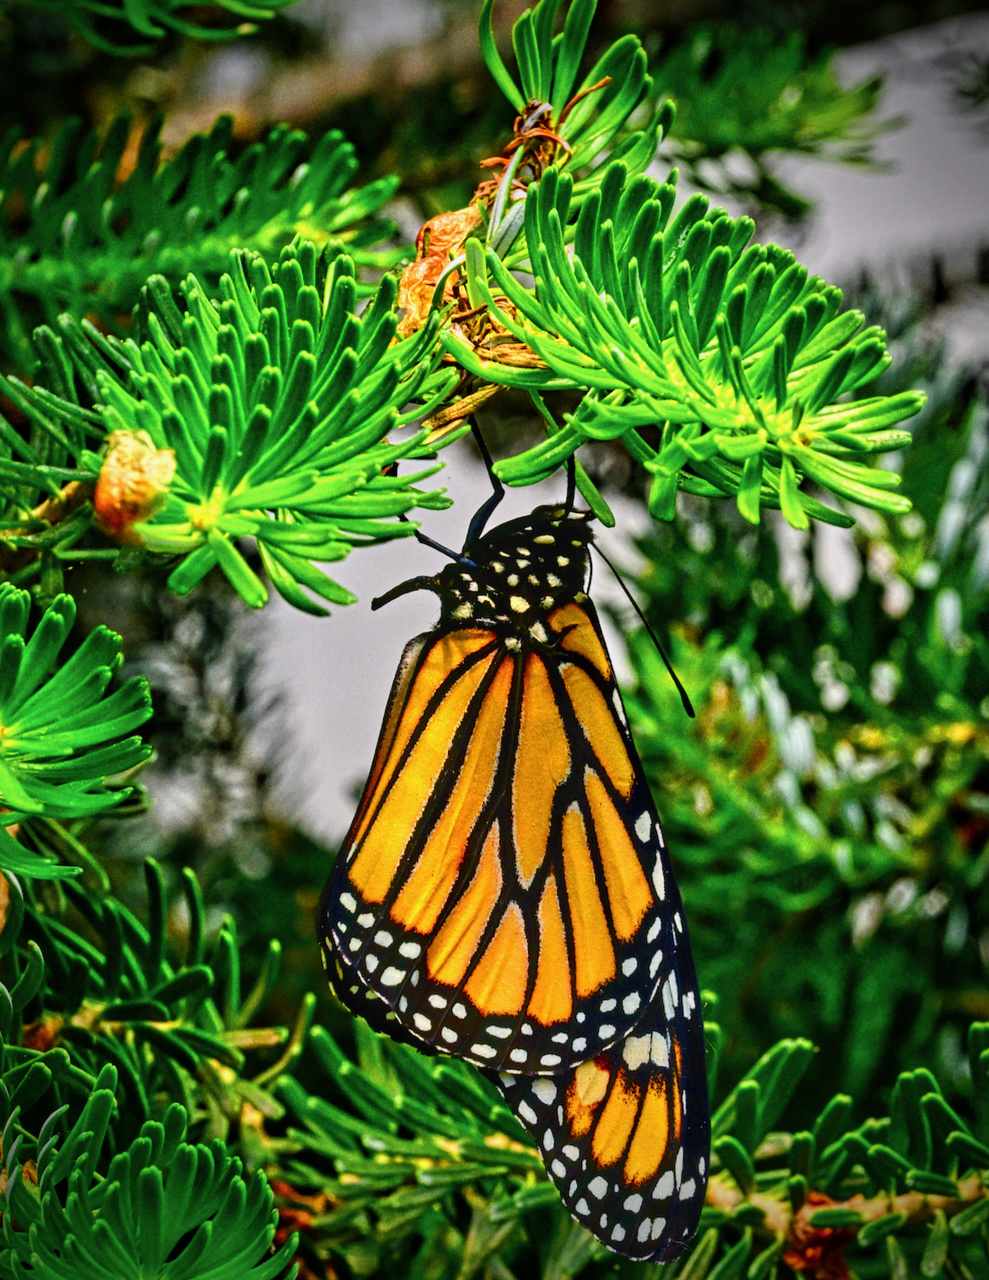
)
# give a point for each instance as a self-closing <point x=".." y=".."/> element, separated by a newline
<point x="515" y="576"/>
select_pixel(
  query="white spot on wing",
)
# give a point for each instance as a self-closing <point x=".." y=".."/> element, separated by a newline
<point x="410" y="950"/>
<point x="598" y="1187"/>
<point x="631" y="1003"/>
<point x="348" y="902"/>
<point x="635" y="1051"/>
<point x="544" y="1089"/>
<point x="392" y="977"/>
<point x="643" y="825"/>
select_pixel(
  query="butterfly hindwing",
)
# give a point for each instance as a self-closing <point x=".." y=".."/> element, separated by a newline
<point x="625" y="1136"/>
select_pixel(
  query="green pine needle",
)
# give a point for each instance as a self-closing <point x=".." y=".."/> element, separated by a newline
<point x="90" y="243"/>
<point x="139" y="25"/>
<point x="739" y="357"/>
<point x="55" y="725"/>
<point x="163" y="1207"/>
<point x="264" y="414"/>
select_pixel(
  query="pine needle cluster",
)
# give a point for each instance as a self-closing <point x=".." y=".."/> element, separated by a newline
<point x="215" y="367"/>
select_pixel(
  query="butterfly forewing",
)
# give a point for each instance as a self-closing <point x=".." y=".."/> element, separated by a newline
<point x="502" y="887"/>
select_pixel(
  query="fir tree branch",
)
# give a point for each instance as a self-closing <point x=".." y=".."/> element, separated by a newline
<point x="264" y="415"/>
<point x="90" y="235"/>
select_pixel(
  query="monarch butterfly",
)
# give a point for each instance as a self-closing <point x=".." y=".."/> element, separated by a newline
<point x="504" y="891"/>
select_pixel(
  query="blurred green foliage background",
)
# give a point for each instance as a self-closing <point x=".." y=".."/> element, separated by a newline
<point x="828" y="810"/>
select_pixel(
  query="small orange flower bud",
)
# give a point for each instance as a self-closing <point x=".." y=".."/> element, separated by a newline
<point x="818" y="1253"/>
<point x="132" y="485"/>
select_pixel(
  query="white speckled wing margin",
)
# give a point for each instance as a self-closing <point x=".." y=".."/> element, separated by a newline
<point x="626" y="1136"/>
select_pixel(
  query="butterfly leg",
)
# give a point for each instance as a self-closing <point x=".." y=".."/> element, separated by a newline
<point x="483" y="513"/>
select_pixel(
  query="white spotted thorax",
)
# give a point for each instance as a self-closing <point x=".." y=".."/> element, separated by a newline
<point x="516" y="581"/>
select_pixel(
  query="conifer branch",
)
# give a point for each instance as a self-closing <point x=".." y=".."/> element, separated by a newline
<point x="91" y="234"/>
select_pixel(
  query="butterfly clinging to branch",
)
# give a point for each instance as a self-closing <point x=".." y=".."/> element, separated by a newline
<point x="504" y="893"/>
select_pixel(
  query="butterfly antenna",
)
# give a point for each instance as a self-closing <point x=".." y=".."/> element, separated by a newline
<point x="436" y="546"/>
<point x="483" y="514"/>
<point x="687" y="706"/>
<point x="403" y="588"/>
